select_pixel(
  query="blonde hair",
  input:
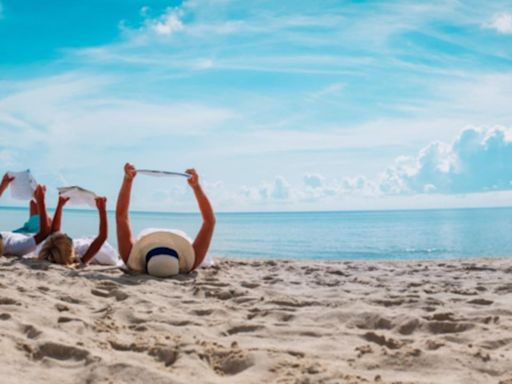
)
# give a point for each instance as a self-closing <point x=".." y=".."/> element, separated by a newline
<point x="58" y="248"/>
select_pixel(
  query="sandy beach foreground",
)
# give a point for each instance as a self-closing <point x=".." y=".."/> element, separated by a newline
<point x="259" y="322"/>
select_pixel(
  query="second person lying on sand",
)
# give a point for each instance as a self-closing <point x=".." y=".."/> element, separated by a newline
<point x="61" y="249"/>
<point x="17" y="244"/>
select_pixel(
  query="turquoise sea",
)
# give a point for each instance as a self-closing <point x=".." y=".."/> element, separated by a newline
<point x="363" y="235"/>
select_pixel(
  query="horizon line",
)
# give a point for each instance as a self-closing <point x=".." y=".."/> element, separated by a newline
<point x="91" y="210"/>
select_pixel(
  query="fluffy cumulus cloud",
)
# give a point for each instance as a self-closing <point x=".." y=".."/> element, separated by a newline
<point x="359" y="185"/>
<point x="167" y="24"/>
<point x="279" y="190"/>
<point x="502" y="23"/>
<point x="313" y="181"/>
<point x="478" y="160"/>
<point x="281" y="193"/>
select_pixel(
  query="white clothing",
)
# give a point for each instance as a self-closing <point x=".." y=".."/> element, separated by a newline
<point x="17" y="244"/>
<point x="107" y="255"/>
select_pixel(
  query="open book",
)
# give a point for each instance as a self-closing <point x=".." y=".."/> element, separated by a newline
<point x="78" y="195"/>
<point x="23" y="185"/>
<point x="151" y="172"/>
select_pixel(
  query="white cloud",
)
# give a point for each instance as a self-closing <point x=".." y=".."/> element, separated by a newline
<point x="359" y="185"/>
<point x="74" y="126"/>
<point x="7" y="159"/>
<point x="502" y="23"/>
<point x="167" y="24"/>
<point x="478" y="160"/>
<point x="313" y="181"/>
<point x="329" y="91"/>
<point x="144" y="11"/>
<point x="281" y="189"/>
<point x="280" y="193"/>
<point x="47" y="109"/>
<point x="202" y="64"/>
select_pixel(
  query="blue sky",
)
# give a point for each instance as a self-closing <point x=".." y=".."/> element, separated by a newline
<point x="289" y="105"/>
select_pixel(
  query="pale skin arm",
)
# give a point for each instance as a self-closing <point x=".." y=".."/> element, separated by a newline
<point x="44" y="228"/>
<point x="6" y="180"/>
<point x="204" y="236"/>
<point x="101" y="204"/>
<point x="124" y="231"/>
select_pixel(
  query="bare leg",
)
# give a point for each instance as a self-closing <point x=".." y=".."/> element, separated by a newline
<point x="44" y="228"/>
<point x="33" y="208"/>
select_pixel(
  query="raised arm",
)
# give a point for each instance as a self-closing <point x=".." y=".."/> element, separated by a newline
<point x="204" y="236"/>
<point x="101" y="204"/>
<point x="6" y="180"/>
<point x="44" y="228"/>
<point x="124" y="231"/>
<point x="57" y="216"/>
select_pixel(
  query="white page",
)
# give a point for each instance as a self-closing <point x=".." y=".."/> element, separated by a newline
<point x="78" y="196"/>
<point x="151" y="172"/>
<point x="23" y="185"/>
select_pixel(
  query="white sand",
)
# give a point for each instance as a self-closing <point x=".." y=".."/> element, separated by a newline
<point x="259" y="322"/>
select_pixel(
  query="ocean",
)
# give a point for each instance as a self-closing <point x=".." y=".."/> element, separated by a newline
<point x="357" y="235"/>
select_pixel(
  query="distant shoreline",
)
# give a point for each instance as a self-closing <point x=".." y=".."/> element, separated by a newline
<point x="86" y="210"/>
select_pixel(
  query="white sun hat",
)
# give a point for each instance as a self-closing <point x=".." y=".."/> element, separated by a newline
<point x="162" y="253"/>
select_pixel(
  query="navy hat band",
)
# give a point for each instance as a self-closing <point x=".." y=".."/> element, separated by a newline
<point x="159" y="252"/>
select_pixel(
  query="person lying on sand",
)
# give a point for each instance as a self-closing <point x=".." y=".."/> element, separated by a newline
<point x="31" y="226"/>
<point x="17" y="244"/>
<point x="162" y="252"/>
<point x="61" y="249"/>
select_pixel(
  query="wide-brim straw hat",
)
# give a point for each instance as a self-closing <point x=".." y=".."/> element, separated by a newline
<point x="162" y="253"/>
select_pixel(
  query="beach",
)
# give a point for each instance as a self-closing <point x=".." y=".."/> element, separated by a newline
<point x="259" y="322"/>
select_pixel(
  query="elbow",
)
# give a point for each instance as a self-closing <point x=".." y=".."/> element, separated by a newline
<point x="102" y="237"/>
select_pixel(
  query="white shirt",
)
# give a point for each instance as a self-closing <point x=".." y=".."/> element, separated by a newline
<point x="106" y="255"/>
<point x="17" y="244"/>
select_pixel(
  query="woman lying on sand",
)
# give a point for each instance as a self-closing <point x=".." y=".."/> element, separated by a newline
<point x="162" y="252"/>
<point x="17" y="244"/>
<point x="61" y="249"/>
